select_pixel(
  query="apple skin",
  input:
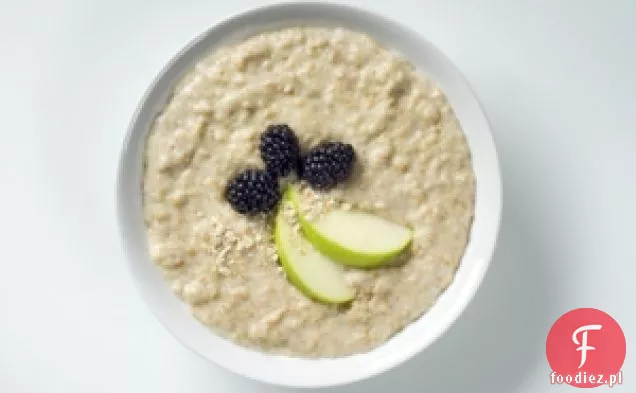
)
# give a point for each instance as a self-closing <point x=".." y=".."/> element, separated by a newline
<point x="281" y="230"/>
<point x="337" y="252"/>
<point x="345" y="256"/>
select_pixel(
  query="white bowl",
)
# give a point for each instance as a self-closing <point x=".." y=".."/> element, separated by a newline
<point x="289" y="371"/>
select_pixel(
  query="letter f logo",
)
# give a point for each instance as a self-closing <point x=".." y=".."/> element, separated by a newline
<point x="584" y="347"/>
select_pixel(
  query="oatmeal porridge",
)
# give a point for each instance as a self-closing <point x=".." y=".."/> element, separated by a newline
<point x="412" y="168"/>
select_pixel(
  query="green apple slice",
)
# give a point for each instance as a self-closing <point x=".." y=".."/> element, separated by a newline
<point x="352" y="238"/>
<point x="311" y="272"/>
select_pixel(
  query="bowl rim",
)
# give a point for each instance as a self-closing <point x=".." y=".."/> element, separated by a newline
<point x="133" y="131"/>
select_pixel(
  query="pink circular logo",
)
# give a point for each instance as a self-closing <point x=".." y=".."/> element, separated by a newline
<point x="586" y="348"/>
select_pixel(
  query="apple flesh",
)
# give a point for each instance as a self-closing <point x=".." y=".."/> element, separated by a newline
<point x="312" y="273"/>
<point x="356" y="239"/>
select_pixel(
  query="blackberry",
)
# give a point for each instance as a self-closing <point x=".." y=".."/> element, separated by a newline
<point x="253" y="191"/>
<point x="328" y="164"/>
<point x="280" y="149"/>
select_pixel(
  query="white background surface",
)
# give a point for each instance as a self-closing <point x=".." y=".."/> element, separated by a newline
<point x="557" y="79"/>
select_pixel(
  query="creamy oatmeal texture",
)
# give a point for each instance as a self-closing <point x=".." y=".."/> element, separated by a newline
<point x="413" y="167"/>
